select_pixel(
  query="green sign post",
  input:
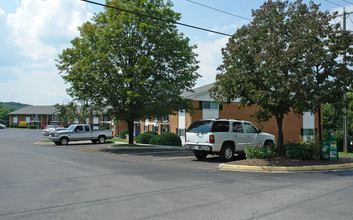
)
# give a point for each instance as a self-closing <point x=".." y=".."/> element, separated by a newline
<point x="329" y="148"/>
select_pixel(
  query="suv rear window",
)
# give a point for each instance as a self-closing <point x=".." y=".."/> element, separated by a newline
<point x="200" y="126"/>
<point x="209" y="126"/>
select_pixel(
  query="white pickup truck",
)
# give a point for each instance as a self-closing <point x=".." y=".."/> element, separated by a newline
<point x="224" y="137"/>
<point x="80" y="132"/>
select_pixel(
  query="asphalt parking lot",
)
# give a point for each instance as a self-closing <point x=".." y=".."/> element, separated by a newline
<point x="161" y="155"/>
<point x="88" y="181"/>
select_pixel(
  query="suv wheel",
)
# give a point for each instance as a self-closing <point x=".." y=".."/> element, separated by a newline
<point x="227" y="153"/>
<point x="200" y="155"/>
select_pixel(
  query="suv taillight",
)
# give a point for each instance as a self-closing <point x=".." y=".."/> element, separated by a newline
<point x="212" y="139"/>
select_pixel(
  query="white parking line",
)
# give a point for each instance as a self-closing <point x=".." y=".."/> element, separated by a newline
<point x="173" y="158"/>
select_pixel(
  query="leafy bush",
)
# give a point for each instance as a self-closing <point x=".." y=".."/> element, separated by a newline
<point x="170" y="139"/>
<point x="15" y="125"/>
<point x="123" y="133"/>
<point x="32" y="126"/>
<point x="309" y="150"/>
<point x="145" y="138"/>
<point x="266" y="151"/>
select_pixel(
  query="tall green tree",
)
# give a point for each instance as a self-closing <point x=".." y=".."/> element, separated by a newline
<point x="76" y="110"/>
<point x="286" y="59"/>
<point x="135" y="65"/>
<point x="4" y="117"/>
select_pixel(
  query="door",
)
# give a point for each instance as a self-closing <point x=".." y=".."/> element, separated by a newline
<point x="238" y="135"/>
<point x="80" y="133"/>
<point x="251" y="134"/>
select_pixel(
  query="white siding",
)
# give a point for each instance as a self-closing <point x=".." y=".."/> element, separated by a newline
<point x="28" y="119"/>
<point x="210" y="113"/>
<point x="181" y="120"/>
<point x="308" y="120"/>
<point x="308" y="123"/>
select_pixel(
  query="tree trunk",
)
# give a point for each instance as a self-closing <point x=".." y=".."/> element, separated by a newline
<point x="280" y="141"/>
<point x="130" y="126"/>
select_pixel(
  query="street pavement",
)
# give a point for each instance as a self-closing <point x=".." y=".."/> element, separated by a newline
<point x="85" y="181"/>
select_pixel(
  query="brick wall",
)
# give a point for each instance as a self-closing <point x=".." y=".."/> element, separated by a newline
<point x="292" y="123"/>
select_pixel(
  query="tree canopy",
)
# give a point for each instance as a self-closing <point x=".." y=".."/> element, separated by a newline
<point x="289" y="58"/>
<point x="135" y="66"/>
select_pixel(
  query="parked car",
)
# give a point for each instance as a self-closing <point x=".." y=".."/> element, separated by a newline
<point x="57" y="129"/>
<point x="48" y="129"/>
<point x="80" y="132"/>
<point x="224" y="137"/>
<point x="2" y="126"/>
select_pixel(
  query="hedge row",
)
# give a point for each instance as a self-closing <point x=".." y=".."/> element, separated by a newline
<point x="166" y="138"/>
<point x="309" y="151"/>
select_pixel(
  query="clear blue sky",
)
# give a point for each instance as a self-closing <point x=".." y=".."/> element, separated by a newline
<point x="33" y="32"/>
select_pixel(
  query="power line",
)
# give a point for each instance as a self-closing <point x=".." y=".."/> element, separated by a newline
<point x="155" y="18"/>
<point x="218" y="10"/>
<point x="347" y="2"/>
<point x="334" y="3"/>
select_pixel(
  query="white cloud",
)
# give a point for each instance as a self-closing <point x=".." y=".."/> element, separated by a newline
<point x="40" y="28"/>
<point x="210" y="57"/>
<point x="37" y="31"/>
<point x="2" y="13"/>
<point x="229" y="29"/>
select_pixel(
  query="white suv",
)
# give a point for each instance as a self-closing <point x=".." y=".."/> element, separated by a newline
<point x="224" y="137"/>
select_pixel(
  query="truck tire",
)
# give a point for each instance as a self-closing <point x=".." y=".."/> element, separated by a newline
<point x="227" y="153"/>
<point x="101" y="139"/>
<point x="268" y="142"/>
<point x="64" y="141"/>
<point x="200" y="155"/>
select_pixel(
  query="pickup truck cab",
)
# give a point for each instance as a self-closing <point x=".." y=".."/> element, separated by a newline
<point x="80" y="132"/>
<point x="224" y="137"/>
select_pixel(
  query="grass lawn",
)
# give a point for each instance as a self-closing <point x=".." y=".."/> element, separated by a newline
<point x="341" y="154"/>
<point x="46" y="141"/>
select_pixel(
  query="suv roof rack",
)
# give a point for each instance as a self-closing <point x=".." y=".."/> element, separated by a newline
<point x="228" y="119"/>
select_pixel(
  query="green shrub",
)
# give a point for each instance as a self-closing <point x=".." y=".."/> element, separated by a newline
<point x="123" y="133"/>
<point x="145" y="138"/>
<point x="32" y="126"/>
<point x="15" y="125"/>
<point x="260" y="152"/>
<point x="170" y="139"/>
<point x="309" y="150"/>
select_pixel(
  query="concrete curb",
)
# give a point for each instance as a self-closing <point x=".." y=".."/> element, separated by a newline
<point x="230" y="167"/>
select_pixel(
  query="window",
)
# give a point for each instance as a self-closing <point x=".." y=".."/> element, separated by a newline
<point x="165" y="118"/>
<point x="220" y="126"/>
<point x="209" y="105"/>
<point x="238" y="127"/>
<point x="87" y="127"/>
<point x="79" y="128"/>
<point x="307" y="132"/>
<point x="106" y="118"/>
<point x="181" y="132"/>
<point x="249" y="128"/>
<point x="200" y="126"/>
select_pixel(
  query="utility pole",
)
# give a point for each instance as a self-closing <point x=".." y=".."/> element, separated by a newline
<point x="345" y="126"/>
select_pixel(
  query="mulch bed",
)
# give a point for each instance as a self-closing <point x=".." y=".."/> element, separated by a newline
<point x="289" y="162"/>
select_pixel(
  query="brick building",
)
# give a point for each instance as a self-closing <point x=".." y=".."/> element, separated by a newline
<point x="46" y="115"/>
<point x="293" y="125"/>
<point x="34" y="115"/>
